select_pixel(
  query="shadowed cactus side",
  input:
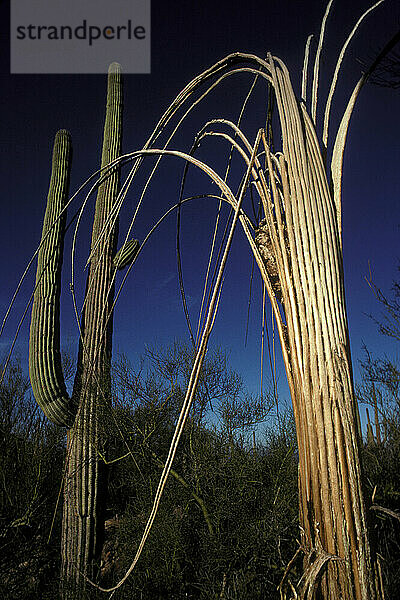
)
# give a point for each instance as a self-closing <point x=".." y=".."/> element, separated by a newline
<point x="84" y="487"/>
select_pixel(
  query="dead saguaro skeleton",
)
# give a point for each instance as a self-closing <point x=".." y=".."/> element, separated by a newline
<point x="298" y="249"/>
<point x="300" y="246"/>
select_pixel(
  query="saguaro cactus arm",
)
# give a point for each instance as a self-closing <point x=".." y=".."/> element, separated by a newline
<point x="126" y="254"/>
<point x="45" y="369"/>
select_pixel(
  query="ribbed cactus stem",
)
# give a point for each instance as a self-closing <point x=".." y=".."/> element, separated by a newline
<point x="44" y="343"/>
<point x="84" y="492"/>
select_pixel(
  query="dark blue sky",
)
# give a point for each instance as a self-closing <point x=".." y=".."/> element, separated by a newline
<point x="186" y="40"/>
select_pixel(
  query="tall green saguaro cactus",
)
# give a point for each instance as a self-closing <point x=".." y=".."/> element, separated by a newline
<point x="84" y="489"/>
<point x="83" y="516"/>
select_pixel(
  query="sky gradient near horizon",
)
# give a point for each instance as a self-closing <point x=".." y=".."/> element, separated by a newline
<point x="185" y="41"/>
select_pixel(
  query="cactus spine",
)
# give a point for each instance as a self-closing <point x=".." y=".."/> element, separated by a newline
<point x="84" y="488"/>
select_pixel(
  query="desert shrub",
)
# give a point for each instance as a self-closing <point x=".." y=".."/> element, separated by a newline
<point x="228" y="520"/>
<point x="31" y="463"/>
